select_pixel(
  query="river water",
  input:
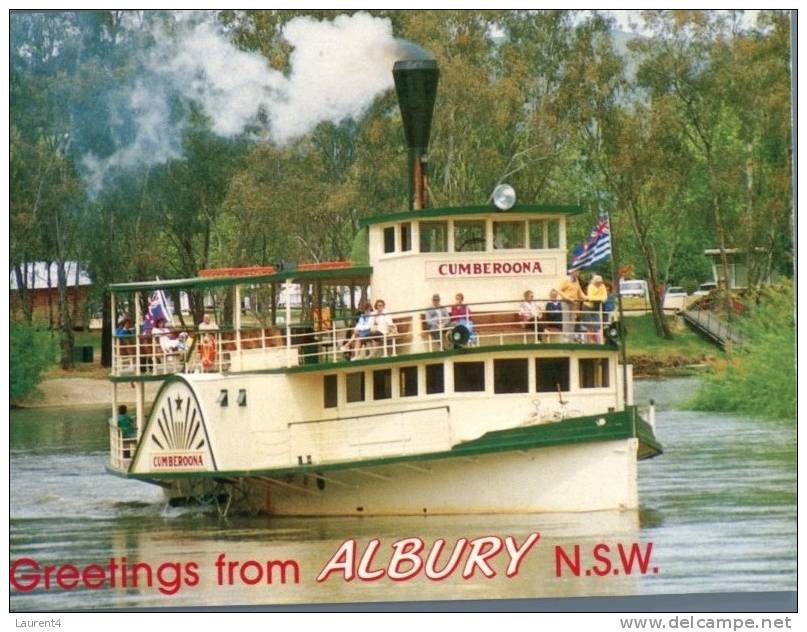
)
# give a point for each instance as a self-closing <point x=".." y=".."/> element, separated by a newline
<point x="719" y="507"/>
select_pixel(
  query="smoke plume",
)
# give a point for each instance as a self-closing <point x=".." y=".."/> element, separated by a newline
<point x="336" y="69"/>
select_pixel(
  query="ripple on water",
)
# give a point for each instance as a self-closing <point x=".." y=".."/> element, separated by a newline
<point x="719" y="506"/>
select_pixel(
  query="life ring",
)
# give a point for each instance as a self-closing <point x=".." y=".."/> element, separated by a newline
<point x="207" y="351"/>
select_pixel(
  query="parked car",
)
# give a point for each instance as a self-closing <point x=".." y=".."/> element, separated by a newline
<point x="675" y="298"/>
<point x="636" y="288"/>
<point x="705" y="288"/>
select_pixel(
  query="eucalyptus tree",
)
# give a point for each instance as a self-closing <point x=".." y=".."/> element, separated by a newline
<point x="735" y="129"/>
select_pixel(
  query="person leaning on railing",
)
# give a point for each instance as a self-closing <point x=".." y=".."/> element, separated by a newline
<point x="597" y="294"/>
<point x="572" y="296"/>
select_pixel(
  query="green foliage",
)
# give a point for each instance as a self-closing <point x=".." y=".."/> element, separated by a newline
<point x="760" y="378"/>
<point x="641" y="339"/>
<point x="360" y="254"/>
<point x="31" y="351"/>
<point x="684" y="137"/>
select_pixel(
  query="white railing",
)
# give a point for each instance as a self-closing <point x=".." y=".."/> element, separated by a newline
<point x="121" y="449"/>
<point x="249" y="348"/>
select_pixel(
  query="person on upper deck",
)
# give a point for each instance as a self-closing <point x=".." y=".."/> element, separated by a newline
<point x="529" y="313"/>
<point x="597" y="294"/>
<point x="572" y="296"/>
<point x="207" y="324"/>
<point x="124" y="328"/>
<point x="461" y="315"/>
<point x="382" y="325"/>
<point x="436" y="318"/>
<point x="361" y="330"/>
<point x="553" y="317"/>
<point x="169" y="341"/>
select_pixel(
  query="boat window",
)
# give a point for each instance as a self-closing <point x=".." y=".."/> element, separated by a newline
<point x="469" y="236"/>
<point x="329" y="391"/>
<point x="469" y="376"/>
<point x="435" y="380"/>
<point x="354" y="387"/>
<point x="553" y="233"/>
<point x="389" y="239"/>
<point x="537" y="233"/>
<point x="408" y="385"/>
<point x="510" y="376"/>
<point x="508" y="235"/>
<point x="406" y="237"/>
<point x="550" y="374"/>
<point x="433" y="236"/>
<point x="593" y="372"/>
<point x="382" y="384"/>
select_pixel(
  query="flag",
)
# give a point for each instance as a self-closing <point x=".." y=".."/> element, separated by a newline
<point x="158" y="310"/>
<point x="596" y="248"/>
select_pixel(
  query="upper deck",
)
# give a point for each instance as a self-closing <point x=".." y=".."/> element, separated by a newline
<point x="269" y="319"/>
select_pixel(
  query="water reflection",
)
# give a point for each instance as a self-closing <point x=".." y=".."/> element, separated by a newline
<point x="718" y="506"/>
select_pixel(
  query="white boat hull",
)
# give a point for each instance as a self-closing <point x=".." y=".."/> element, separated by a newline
<point x="589" y="476"/>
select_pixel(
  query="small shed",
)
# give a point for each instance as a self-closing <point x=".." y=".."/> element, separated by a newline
<point x="40" y="279"/>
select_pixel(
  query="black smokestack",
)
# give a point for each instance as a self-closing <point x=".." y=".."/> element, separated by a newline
<point x="416" y="85"/>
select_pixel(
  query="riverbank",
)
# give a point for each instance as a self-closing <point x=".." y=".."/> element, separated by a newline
<point x="65" y="392"/>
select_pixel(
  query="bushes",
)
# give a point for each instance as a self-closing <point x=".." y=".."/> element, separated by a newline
<point x="31" y="351"/>
<point x="760" y="378"/>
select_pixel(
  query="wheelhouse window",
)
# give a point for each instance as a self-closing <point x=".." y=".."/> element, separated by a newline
<point x="354" y="387"/>
<point x="435" y="379"/>
<point x="593" y="372"/>
<point x="551" y="374"/>
<point x="389" y="239"/>
<point x="382" y="384"/>
<point x="408" y="381"/>
<point x="537" y="232"/>
<point x="469" y="236"/>
<point x="433" y="236"/>
<point x="508" y="235"/>
<point x="510" y="376"/>
<point x="406" y="237"/>
<point x="469" y="377"/>
<point x="553" y="236"/>
<point x="330" y="392"/>
<point x="544" y="234"/>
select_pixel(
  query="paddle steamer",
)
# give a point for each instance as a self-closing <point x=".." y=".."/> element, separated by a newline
<point x="270" y="407"/>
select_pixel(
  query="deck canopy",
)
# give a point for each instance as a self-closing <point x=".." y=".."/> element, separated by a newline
<point x="344" y="274"/>
<point x="432" y="213"/>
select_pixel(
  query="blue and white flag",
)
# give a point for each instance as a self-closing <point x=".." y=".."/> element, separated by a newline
<point x="158" y="310"/>
<point x="596" y="248"/>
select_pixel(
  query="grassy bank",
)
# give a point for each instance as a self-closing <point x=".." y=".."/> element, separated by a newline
<point x="759" y="378"/>
<point x="685" y="347"/>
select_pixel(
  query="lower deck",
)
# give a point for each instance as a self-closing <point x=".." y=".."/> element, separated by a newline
<point x="369" y="409"/>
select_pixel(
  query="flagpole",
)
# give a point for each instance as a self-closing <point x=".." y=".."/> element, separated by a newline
<point x="614" y="275"/>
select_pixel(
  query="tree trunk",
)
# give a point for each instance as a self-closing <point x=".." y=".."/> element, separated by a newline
<point x="50" y="296"/>
<point x="721" y="239"/>
<point x="656" y="307"/>
<point x="65" y="322"/>
<point x="23" y="294"/>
